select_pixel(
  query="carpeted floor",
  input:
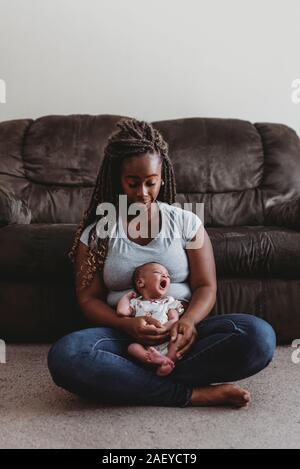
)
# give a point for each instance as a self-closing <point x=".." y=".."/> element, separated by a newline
<point x="37" y="414"/>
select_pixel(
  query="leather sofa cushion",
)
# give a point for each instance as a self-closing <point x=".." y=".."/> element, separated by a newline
<point x="12" y="210"/>
<point x="36" y="251"/>
<point x="253" y="251"/>
<point x="285" y="214"/>
<point x="232" y="166"/>
<point x="39" y="251"/>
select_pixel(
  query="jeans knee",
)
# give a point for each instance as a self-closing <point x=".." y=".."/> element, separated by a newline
<point x="60" y="353"/>
<point x="260" y="343"/>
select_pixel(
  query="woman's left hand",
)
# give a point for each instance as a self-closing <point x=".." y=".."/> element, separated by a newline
<point x="188" y="332"/>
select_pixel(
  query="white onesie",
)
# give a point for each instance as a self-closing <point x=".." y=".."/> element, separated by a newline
<point x="158" y="309"/>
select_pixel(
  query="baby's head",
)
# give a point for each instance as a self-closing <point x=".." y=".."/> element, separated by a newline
<point x="151" y="280"/>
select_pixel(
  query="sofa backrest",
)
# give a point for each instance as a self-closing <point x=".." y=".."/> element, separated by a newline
<point x="234" y="167"/>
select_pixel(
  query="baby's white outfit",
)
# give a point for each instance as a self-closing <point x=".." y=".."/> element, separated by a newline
<point x="158" y="309"/>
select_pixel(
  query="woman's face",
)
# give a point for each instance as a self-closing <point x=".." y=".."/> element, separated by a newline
<point x="141" y="178"/>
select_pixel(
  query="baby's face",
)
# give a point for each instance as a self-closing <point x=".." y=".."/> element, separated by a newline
<point x="156" y="280"/>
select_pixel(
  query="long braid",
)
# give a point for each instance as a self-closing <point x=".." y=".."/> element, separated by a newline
<point x="134" y="137"/>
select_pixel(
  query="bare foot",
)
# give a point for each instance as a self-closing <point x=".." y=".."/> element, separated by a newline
<point x="166" y="365"/>
<point x="154" y="356"/>
<point x="220" y="394"/>
<point x="165" y="368"/>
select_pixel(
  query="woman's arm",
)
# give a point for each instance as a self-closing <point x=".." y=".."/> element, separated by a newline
<point x="203" y="284"/>
<point x="92" y="299"/>
<point x="202" y="277"/>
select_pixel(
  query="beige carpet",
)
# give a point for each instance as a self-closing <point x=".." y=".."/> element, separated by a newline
<point x="37" y="414"/>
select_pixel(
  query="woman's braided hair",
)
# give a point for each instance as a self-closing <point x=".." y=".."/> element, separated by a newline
<point x="134" y="137"/>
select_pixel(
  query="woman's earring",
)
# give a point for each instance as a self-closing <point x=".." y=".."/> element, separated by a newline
<point x="162" y="183"/>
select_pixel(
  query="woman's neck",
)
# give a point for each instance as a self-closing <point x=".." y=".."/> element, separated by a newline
<point x="153" y="220"/>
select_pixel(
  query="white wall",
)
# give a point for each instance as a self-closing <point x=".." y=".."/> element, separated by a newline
<point x="151" y="59"/>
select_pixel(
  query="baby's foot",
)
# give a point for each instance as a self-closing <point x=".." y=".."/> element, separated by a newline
<point x="166" y="367"/>
<point x="154" y="356"/>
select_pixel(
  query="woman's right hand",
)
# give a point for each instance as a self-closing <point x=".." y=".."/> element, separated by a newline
<point x="146" y="330"/>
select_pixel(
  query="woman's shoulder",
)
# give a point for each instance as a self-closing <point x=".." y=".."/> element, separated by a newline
<point x="183" y="214"/>
<point x="187" y="221"/>
<point x="177" y="209"/>
<point x="84" y="238"/>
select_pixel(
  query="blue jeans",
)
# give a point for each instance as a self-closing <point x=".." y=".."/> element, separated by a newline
<point x="94" y="363"/>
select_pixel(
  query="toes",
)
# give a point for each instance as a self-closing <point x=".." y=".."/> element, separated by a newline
<point x="169" y="361"/>
<point x="246" y="396"/>
<point x="166" y="366"/>
<point x="164" y="370"/>
<point x="245" y="401"/>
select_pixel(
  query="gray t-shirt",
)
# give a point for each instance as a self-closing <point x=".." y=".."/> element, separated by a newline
<point x="168" y="248"/>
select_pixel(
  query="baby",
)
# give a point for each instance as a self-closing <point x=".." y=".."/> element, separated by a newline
<point x="152" y="281"/>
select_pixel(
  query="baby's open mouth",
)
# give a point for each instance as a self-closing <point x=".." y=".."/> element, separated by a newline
<point x="163" y="284"/>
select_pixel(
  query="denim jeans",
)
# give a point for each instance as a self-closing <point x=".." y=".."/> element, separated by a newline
<point x="94" y="363"/>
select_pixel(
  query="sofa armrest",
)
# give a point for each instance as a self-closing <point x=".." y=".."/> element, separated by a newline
<point x="285" y="214"/>
<point x="13" y="210"/>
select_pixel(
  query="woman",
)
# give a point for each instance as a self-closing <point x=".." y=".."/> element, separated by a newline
<point x="93" y="362"/>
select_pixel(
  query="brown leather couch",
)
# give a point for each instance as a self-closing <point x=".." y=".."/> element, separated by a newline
<point x="247" y="175"/>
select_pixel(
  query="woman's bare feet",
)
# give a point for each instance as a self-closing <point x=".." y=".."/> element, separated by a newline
<point x="166" y="365"/>
<point x="220" y="394"/>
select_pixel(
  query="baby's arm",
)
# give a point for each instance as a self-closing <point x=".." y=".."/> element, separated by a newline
<point x="123" y="306"/>
<point x="173" y="317"/>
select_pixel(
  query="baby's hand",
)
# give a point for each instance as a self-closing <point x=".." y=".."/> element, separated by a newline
<point x="150" y="320"/>
<point x="131" y="294"/>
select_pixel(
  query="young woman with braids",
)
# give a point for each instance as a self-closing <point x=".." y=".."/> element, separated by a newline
<point x="94" y="362"/>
